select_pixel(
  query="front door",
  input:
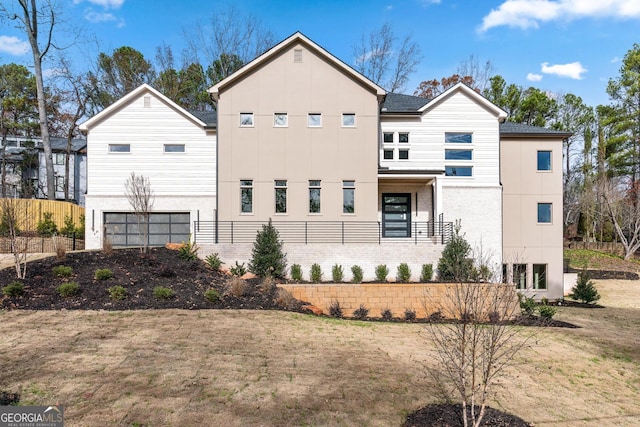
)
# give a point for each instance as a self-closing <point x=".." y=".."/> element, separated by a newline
<point x="396" y="215"/>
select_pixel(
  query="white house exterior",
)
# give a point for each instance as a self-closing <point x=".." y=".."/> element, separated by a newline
<point x="348" y="173"/>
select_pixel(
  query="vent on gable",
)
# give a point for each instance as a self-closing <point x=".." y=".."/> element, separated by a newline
<point x="297" y="55"/>
<point x="147" y="101"/>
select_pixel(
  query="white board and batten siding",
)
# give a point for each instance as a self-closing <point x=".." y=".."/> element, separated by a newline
<point x="181" y="181"/>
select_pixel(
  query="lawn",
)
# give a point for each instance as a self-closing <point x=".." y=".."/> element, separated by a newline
<point x="240" y="367"/>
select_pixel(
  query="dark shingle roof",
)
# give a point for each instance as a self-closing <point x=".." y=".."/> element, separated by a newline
<point x="399" y="103"/>
<point x="209" y="117"/>
<point x="60" y="144"/>
<point x="511" y="128"/>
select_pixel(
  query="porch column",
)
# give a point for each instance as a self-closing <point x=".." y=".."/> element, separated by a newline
<point x="437" y="197"/>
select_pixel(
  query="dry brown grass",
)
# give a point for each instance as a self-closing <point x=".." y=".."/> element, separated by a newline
<point x="237" y="368"/>
<point x="236" y="286"/>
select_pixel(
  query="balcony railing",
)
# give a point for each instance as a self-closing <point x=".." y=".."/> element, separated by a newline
<point x="309" y="232"/>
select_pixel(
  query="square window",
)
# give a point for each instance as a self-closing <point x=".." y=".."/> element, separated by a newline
<point x="388" y="137"/>
<point x="544" y="160"/>
<point x="540" y="276"/>
<point x="315" y="120"/>
<point x="174" y="148"/>
<point x="246" y="195"/>
<point x="544" y="213"/>
<point x="403" y="154"/>
<point x="457" y="138"/>
<point x="520" y="276"/>
<point x="388" y="154"/>
<point x="119" y="148"/>
<point x="458" y="154"/>
<point x="458" y="171"/>
<point x="403" y="137"/>
<point x="348" y="120"/>
<point x="246" y="119"/>
<point x="280" y="120"/>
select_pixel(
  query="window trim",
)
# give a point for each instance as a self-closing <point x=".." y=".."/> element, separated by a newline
<point x="278" y="186"/>
<point x="310" y="115"/>
<point x="344" y="115"/>
<point x="112" y="148"/>
<point x="450" y="134"/>
<point x="349" y="185"/>
<point x="247" y="115"/>
<point x="164" y="148"/>
<point x="542" y="204"/>
<point x="59" y="183"/>
<point x="446" y="167"/>
<point x="315" y="185"/>
<point x="550" y="161"/>
<point x="458" y="150"/>
<point x="246" y="184"/>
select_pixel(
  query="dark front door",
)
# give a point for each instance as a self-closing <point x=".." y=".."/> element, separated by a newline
<point x="396" y="215"/>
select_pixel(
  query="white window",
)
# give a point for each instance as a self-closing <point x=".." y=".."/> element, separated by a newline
<point x="58" y="158"/>
<point x="314" y="120"/>
<point x="119" y="148"/>
<point x="458" y="138"/>
<point x="281" y="195"/>
<point x="246" y="196"/>
<point x="174" y="148"/>
<point x="280" y="120"/>
<point x="540" y="276"/>
<point x="314" y="195"/>
<point x="348" y="120"/>
<point x="60" y="183"/>
<point x="246" y="120"/>
<point x="348" y="197"/>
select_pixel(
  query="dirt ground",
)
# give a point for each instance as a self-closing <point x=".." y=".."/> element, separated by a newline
<point x="239" y="368"/>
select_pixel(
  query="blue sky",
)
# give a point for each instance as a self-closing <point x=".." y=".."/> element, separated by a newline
<point x="559" y="46"/>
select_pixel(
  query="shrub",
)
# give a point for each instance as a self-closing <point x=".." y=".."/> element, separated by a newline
<point x="527" y="305"/>
<point x="188" y="251"/>
<point x="409" y="315"/>
<point x="285" y="300"/>
<point x="69" y="227"/>
<point x="335" y="310"/>
<point x="296" y="273"/>
<point x="103" y="274"/>
<point x="267" y="285"/>
<point x="381" y="273"/>
<point x="213" y="261"/>
<point x="361" y="312"/>
<point x="13" y="289"/>
<point x="267" y="257"/>
<point x="162" y="292"/>
<point x="386" y="314"/>
<point x="356" y="272"/>
<point x="316" y="273"/>
<point x="117" y="292"/>
<point x="585" y="289"/>
<point x="427" y="273"/>
<point x="212" y="295"/>
<point x="47" y="227"/>
<point x="237" y="287"/>
<point x="62" y="271"/>
<point x="238" y="269"/>
<point x="403" y="273"/>
<point x="337" y="273"/>
<point x="80" y="228"/>
<point x="455" y="264"/>
<point x="547" y="311"/>
<point x="68" y="289"/>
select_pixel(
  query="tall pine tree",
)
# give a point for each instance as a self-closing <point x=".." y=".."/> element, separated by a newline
<point x="267" y="258"/>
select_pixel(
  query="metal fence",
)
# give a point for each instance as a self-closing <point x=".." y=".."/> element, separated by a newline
<point x="39" y="244"/>
<point x="309" y="232"/>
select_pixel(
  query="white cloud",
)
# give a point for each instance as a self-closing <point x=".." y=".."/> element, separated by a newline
<point x="573" y="70"/>
<point x="96" y="17"/>
<point x="428" y="2"/>
<point x="615" y="60"/>
<point x="530" y="13"/>
<point x="534" y="77"/>
<point x="107" y="4"/>
<point x="13" y="45"/>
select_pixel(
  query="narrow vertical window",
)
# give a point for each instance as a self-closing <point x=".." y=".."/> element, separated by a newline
<point x="314" y="196"/>
<point x="281" y="195"/>
<point x="520" y="276"/>
<point x="246" y="196"/>
<point x="348" y="197"/>
<point x="540" y="276"/>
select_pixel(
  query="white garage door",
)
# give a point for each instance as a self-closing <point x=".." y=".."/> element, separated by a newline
<point x="122" y="228"/>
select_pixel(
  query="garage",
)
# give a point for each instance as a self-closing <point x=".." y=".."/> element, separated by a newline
<point x="121" y="228"/>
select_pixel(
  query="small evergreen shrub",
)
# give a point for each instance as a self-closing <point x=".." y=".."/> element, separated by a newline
<point x="337" y="273"/>
<point x="80" y="228"/>
<point x="455" y="265"/>
<point x="47" y="226"/>
<point x="356" y="273"/>
<point x="427" y="273"/>
<point x="238" y="270"/>
<point x="296" y="273"/>
<point x="409" y="315"/>
<point x="69" y="228"/>
<point x="68" y="289"/>
<point x="212" y="295"/>
<point x="213" y="261"/>
<point x="237" y="287"/>
<point x="547" y="311"/>
<point x="117" y="292"/>
<point x="13" y="289"/>
<point x="316" y="273"/>
<point x="162" y="292"/>
<point x="584" y="290"/>
<point x="386" y="314"/>
<point x="381" y="273"/>
<point x="62" y="271"/>
<point x="188" y="251"/>
<point x="527" y="305"/>
<point x="361" y="312"/>
<point x="267" y="257"/>
<point x="404" y="273"/>
<point x="335" y="310"/>
<point x="103" y="274"/>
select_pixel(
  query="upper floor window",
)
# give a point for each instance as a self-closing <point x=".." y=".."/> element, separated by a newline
<point x="348" y="197"/>
<point x="246" y="195"/>
<point x="458" y="154"/>
<point x="314" y="120"/>
<point x="458" y="138"/>
<point x="119" y="148"/>
<point x="348" y="120"/>
<point x="544" y="213"/>
<point x="174" y="148"/>
<point x="58" y="158"/>
<point x="246" y="119"/>
<point x="544" y="160"/>
<point x="458" y="171"/>
<point x="281" y="195"/>
<point x="314" y="196"/>
<point x="403" y="137"/>
<point x="387" y="137"/>
<point x="388" y="154"/>
<point x="280" y="120"/>
<point x="403" y="154"/>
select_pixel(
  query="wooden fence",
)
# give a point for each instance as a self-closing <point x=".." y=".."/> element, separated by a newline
<point x="34" y="210"/>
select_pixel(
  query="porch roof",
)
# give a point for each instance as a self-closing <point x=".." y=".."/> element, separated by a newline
<point x="409" y="174"/>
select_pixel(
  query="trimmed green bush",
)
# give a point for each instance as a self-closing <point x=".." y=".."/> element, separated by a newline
<point x="316" y="273"/>
<point x="267" y="258"/>
<point x="103" y="274"/>
<point x="337" y="273"/>
<point x="162" y="292"/>
<point x="527" y="305"/>
<point x="212" y="295"/>
<point x="404" y="273"/>
<point x="69" y="227"/>
<point x="238" y="270"/>
<point x="381" y="273"/>
<point x="13" y="289"/>
<point x="117" y="292"/>
<point x="296" y="273"/>
<point x="427" y="273"/>
<point x="188" y="251"/>
<point x="357" y="274"/>
<point x="213" y="261"/>
<point x="62" y="271"/>
<point x="68" y="289"/>
<point x="47" y="226"/>
<point x="584" y="290"/>
<point x="455" y="265"/>
<point x="547" y="311"/>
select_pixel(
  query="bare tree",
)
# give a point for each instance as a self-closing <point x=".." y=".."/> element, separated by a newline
<point x="624" y="211"/>
<point x="30" y="17"/>
<point x="140" y="196"/>
<point x="15" y="215"/>
<point x="480" y="72"/>
<point x="383" y="61"/>
<point x="475" y="348"/>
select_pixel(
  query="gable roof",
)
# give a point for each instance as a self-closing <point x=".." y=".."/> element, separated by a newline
<point x="520" y="129"/>
<point x="210" y="118"/>
<point x="296" y="37"/>
<point x="461" y="87"/>
<point x="134" y="94"/>
<point x="397" y="103"/>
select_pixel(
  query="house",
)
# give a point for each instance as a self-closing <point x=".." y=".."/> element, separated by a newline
<point x="348" y="173"/>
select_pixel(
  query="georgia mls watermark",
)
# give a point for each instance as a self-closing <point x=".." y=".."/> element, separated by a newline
<point x="32" y="416"/>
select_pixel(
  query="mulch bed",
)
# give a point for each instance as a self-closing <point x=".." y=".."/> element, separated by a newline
<point x="450" y="415"/>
